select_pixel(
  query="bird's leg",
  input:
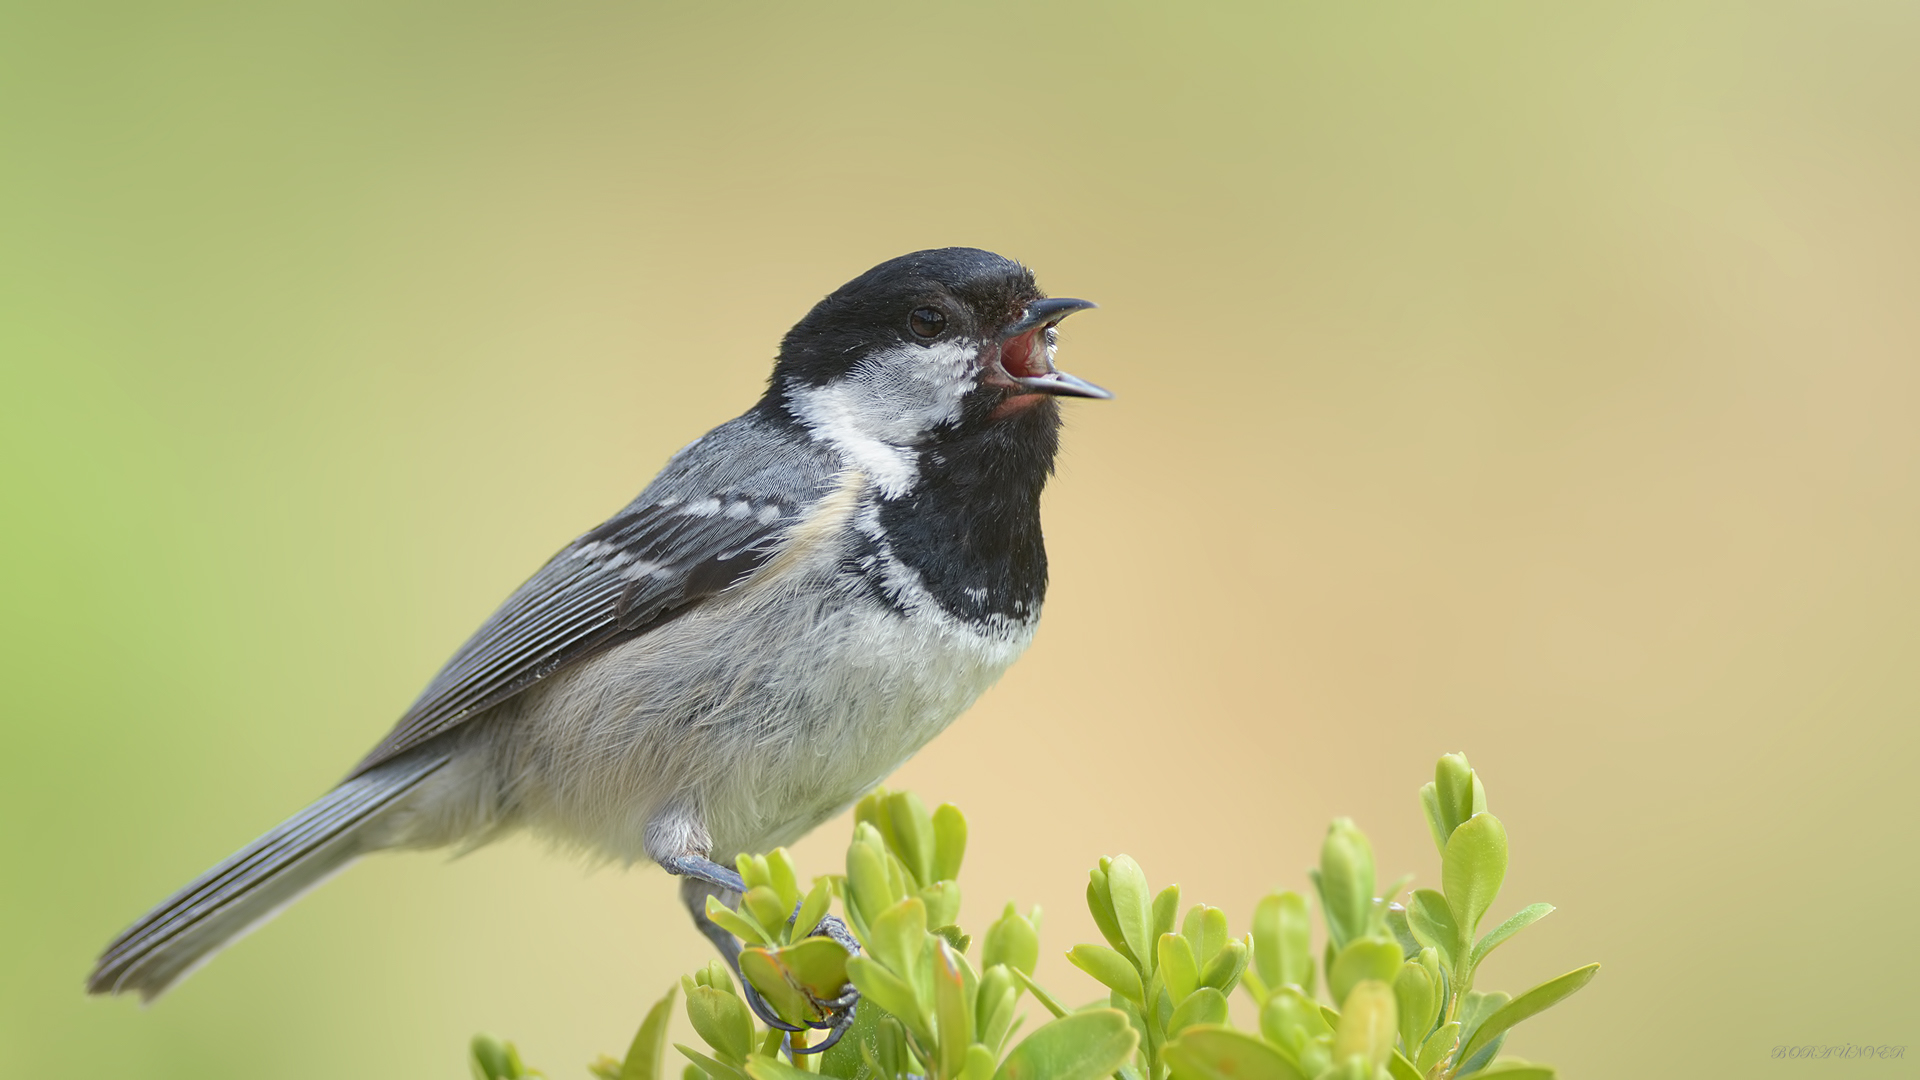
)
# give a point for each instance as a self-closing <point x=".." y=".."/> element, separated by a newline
<point x="702" y="877"/>
<point x="694" y="892"/>
<point x="701" y="868"/>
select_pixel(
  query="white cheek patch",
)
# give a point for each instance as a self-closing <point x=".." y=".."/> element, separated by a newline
<point x="887" y="406"/>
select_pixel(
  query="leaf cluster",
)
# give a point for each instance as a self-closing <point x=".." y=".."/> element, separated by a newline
<point x="1399" y="998"/>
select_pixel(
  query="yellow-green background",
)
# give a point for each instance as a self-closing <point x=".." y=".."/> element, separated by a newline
<point x="1533" y="381"/>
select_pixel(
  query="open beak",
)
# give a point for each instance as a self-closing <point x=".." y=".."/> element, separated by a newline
<point x="1026" y="354"/>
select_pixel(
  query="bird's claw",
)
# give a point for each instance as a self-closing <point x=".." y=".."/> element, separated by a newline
<point x="702" y="878"/>
<point x="836" y="1013"/>
<point x="763" y="1010"/>
<point x="830" y="926"/>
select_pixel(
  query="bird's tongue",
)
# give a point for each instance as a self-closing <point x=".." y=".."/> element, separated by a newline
<point x="1023" y="358"/>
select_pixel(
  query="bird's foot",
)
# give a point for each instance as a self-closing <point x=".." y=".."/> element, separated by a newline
<point x="836" y="1014"/>
<point x="703" y="877"/>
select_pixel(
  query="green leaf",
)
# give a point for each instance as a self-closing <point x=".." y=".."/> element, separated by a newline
<point x="1512" y="1069"/>
<point x="720" y="1018"/>
<point x="1399" y="1068"/>
<point x="913" y="829"/>
<point x="1100" y="906"/>
<point x="1223" y="971"/>
<point x="861" y="1043"/>
<point x="1453" y="783"/>
<point x="1166" y="911"/>
<point x="768" y="911"/>
<point x="1436" y="818"/>
<point x="492" y="1059"/>
<point x="1483" y="1056"/>
<point x="793" y="978"/>
<point x="1221" y="1053"/>
<point x="1110" y="968"/>
<point x="949" y="842"/>
<point x="740" y="924"/>
<point x="1345" y="880"/>
<point x="1397" y="925"/>
<point x="869" y="884"/>
<point x="1290" y="1019"/>
<point x="897" y="936"/>
<point x="943" y="902"/>
<point x="1437" y="1046"/>
<point x="953" y="936"/>
<point x="1138" y="1019"/>
<point x="1429" y="958"/>
<point x="980" y="1064"/>
<point x="1177" y="967"/>
<point x="1084" y="1046"/>
<point x="1431" y="921"/>
<point x="1205" y="928"/>
<point x="1530" y="1004"/>
<point x="892" y="993"/>
<point x="719" y="1070"/>
<point x="1132" y="909"/>
<point x="1040" y="994"/>
<point x="814" y="907"/>
<point x="1205" y="1006"/>
<point x="1368" y="1025"/>
<point x="1417" y="1000"/>
<point x="1474" y="1008"/>
<point x="1316" y="1058"/>
<point x="1011" y="940"/>
<point x="649" y="1045"/>
<point x="752" y="869"/>
<point x="714" y="974"/>
<point x="784" y="879"/>
<point x="772" y="1068"/>
<point x="996" y="1005"/>
<point x="953" y="1010"/>
<point x="895" y="1045"/>
<point x="1282" y="945"/>
<point x="1367" y="958"/>
<point x="1472" y="869"/>
<point x="1524" y="918"/>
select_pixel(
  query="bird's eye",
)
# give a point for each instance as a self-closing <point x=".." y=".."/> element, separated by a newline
<point x="927" y="322"/>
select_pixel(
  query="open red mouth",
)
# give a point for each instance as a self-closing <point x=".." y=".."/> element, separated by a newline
<point x="1025" y="361"/>
<point x="1024" y="356"/>
<point x="1023" y="369"/>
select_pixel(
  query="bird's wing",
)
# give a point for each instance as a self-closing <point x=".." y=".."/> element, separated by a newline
<point x="645" y="565"/>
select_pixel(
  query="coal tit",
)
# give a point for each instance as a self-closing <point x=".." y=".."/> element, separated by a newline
<point x="800" y="600"/>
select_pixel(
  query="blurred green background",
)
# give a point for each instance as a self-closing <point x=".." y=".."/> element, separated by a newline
<point x="1532" y="381"/>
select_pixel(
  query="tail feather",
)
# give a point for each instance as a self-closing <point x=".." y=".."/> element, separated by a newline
<point x="253" y="885"/>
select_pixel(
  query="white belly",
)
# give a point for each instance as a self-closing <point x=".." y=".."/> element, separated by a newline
<point x="744" y="723"/>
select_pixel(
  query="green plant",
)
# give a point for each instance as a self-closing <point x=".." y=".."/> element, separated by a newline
<point x="1400" y="978"/>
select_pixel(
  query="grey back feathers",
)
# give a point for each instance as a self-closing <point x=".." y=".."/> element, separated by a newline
<point x="701" y="526"/>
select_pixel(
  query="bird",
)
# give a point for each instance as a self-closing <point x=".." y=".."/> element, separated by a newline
<point x="799" y="601"/>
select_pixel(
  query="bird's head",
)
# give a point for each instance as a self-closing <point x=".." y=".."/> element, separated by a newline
<point x="929" y="347"/>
